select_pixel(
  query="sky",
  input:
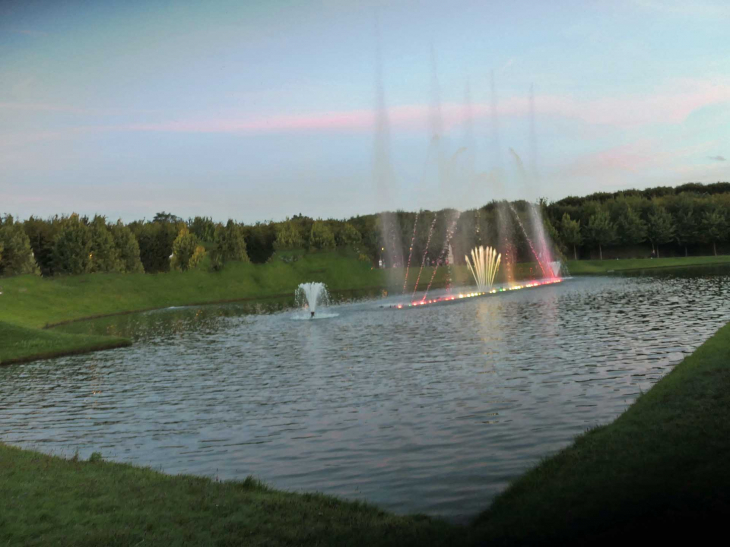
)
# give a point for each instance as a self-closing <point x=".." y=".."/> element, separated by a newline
<point x="332" y="108"/>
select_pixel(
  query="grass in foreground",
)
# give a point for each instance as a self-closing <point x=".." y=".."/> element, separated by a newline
<point x="52" y="501"/>
<point x="660" y="470"/>
<point x="18" y="344"/>
<point x="584" y="267"/>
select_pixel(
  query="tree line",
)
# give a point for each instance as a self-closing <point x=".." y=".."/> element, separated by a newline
<point x="692" y="218"/>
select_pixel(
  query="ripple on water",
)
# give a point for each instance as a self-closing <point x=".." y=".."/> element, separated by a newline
<point x="432" y="410"/>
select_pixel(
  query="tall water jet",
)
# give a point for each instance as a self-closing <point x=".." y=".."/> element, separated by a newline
<point x="311" y="296"/>
<point x="425" y="253"/>
<point x="506" y="238"/>
<point x="483" y="266"/>
<point x="382" y="169"/>
<point x="410" y="251"/>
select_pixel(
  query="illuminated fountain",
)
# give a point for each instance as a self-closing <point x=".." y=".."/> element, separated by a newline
<point x="483" y="266"/>
<point x="310" y="296"/>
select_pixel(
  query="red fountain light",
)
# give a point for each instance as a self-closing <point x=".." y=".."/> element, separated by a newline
<point x="460" y="296"/>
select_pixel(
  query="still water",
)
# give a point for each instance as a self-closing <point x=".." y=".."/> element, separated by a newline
<point x="430" y="410"/>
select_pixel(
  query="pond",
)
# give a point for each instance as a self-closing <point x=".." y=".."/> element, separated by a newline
<point x="430" y="410"/>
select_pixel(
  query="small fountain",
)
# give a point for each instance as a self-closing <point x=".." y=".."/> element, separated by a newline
<point x="483" y="266"/>
<point x="311" y="295"/>
<point x="556" y="266"/>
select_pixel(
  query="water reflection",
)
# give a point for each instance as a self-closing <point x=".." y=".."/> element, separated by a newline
<point x="431" y="410"/>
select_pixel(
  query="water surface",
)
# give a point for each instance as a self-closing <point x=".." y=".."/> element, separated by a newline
<point x="430" y="410"/>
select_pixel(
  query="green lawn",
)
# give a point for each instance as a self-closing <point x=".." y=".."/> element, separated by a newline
<point x="53" y="501"/>
<point x="19" y="344"/>
<point x="585" y="267"/>
<point x="661" y="469"/>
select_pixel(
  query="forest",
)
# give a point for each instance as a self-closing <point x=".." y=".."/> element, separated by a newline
<point x="691" y="219"/>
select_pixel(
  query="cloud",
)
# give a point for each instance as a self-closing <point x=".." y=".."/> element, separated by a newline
<point x="716" y="158"/>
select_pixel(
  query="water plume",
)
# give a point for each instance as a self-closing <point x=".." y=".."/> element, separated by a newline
<point x="425" y="253"/>
<point x="483" y="266"/>
<point x="311" y="296"/>
<point x="382" y="169"/>
<point x="410" y="252"/>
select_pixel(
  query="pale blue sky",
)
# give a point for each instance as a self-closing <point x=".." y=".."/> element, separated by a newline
<point x="258" y="110"/>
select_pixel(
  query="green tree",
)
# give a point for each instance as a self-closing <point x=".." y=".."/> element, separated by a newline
<point x="349" y="236"/>
<point x="127" y="247"/>
<point x="570" y="233"/>
<point x="321" y="237"/>
<point x="230" y="242"/>
<point x="660" y="228"/>
<point x="104" y="253"/>
<point x="186" y="251"/>
<point x="714" y="227"/>
<point x="72" y="247"/>
<point x="288" y="236"/>
<point x="600" y="230"/>
<point x="686" y="224"/>
<point x="42" y="233"/>
<point x="630" y="228"/>
<point x="202" y="227"/>
<point x="17" y="254"/>
<point x="155" y="244"/>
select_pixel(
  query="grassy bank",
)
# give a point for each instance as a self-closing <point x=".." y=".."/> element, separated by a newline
<point x="661" y="469"/>
<point x="587" y="267"/>
<point x="19" y="344"/>
<point x="658" y="473"/>
<point x="35" y="302"/>
<point x="54" y="501"/>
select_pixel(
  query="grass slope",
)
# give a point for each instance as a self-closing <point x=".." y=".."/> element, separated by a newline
<point x="585" y="267"/>
<point x="18" y="344"/>
<point x="53" y="501"/>
<point x="662" y="469"/>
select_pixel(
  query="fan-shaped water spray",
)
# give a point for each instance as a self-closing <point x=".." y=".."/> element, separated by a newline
<point x="483" y="265"/>
<point x="311" y="296"/>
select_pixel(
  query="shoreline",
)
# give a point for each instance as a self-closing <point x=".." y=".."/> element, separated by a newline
<point x="662" y="458"/>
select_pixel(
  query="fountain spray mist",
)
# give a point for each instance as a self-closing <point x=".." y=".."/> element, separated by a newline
<point x="410" y="251"/>
<point x="382" y="168"/>
<point x="449" y="234"/>
<point x="425" y="253"/>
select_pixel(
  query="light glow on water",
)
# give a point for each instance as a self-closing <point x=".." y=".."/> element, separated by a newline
<point x="449" y="298"/>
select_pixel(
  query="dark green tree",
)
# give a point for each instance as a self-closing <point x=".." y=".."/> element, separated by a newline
<point x="600" y="230"/>
<point x="127" y="247"/>
<point x="349" y="236"/>
<point x="714" y="227"/>
<point x="17" y="254"/>
<point x="203" y="228"/>
<point x="41" y="234"/>
<point x="288" y="236"/>
<point x="230" y="242"/>
<point x="104" y="253"/>
<point x="660" y="228"/>
<point x="186" y="251"/>
<point x="72" y="247"/>
<point x="631" y="229"/>
<point x="570" y="233"/>
<point x="321" y="237"/>
<point x="155" y="244"/>
<point x="686" y="222"/>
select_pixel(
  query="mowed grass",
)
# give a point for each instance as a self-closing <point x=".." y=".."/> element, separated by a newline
<point x="18" y="344"/>
<point x="661" y="470"/>
<point x="53" y="501"/>
<point x="585" y="267"/>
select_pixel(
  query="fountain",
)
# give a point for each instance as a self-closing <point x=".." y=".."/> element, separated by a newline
<point x="311" y="296"/>
<point x="483" y="266"/>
